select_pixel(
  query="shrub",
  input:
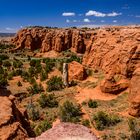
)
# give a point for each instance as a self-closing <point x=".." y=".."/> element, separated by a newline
<point x="43" y="75"/>
<point x="25" y="75"/>
<point x="10" y="76"/>
<point x="135" y="129"/>
<point x="6" y="64"/>
<point x="70" y="112"/>
<point x="42" y="127"/>
<point x="32" y="71"/>
<point x="17" y="64"/>
<point x="55" y="83"/>
<point x="33" y="113"/>
<point x="34" y="62"/>
<point x="74" y="58"/>
<point x="31" y="80"/>
<point x="3" y="57"/>
<point x="86" y="123"/>
<point x="1" y="70"/>
<point x="103" y="120"/>
<point x="3" y="81"/>
<point x="19" y="84"/>
<point x="48" y="101"/>
<point x="35" y="89"/>
<point x="18" y="72"/>
<point x="92" y="104"/>
<point x="49" y="65"/>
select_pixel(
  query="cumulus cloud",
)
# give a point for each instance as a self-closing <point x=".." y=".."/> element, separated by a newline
<point x="87" y="20"/>
<point x="68" y="14"/>
<point x="100" y="14"/>
<point x="95" y="13"/>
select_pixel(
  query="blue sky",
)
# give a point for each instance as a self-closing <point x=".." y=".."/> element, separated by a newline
<point x="15" y="14"/>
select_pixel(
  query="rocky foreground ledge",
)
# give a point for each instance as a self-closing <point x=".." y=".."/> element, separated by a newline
<point x="67" y="131"/>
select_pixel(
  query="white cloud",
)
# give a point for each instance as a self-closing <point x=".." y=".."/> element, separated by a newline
<point x="100" y="14"/>
<point x="68" y="21"/>
<point x="87" y="20"/>
<point x="68" y="14"/>
<point x="9" y="29"/>
<point x="137" y="16"/>
<point x="114" y="14"/>
<point x="115" y="21"/>
<point x="95" y="13"/>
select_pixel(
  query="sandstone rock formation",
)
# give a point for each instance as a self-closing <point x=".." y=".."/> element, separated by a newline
<point x="67" y="131"/>
<point x="114" y="50"/>
<point x="50" y="39"/>
<point x="108" y="86"/>
<point x="76" y="71"/>
<point x="13" y="125"/>
<point x="135" y="94"/>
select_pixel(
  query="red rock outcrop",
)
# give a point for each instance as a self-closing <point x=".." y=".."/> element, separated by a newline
<point x="76" y="71"/>
<point x="13" y="125"/>
<point x="113" y="87"/>
<point x="135" y="94"/>
<point x="67" y="131"/>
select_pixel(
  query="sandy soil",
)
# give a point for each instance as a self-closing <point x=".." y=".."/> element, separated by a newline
<point x="95" y="93"/>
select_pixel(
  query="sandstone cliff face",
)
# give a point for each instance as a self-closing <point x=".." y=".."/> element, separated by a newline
<point x="50" y="39"/>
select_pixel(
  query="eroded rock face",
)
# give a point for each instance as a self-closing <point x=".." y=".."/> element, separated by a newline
<point x="10" y="128"/>
<point x="50" y="39"/>
<point x="114" y="50"/>
<point x="67" y="131"/>
<point x="135" y="94"/>
<point x="12" y="123"/>
<point x="76" y="71"/>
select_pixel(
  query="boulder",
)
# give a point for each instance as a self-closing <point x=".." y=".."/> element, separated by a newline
<point x="76" y="71"/>
<point x="108" y="86"/>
